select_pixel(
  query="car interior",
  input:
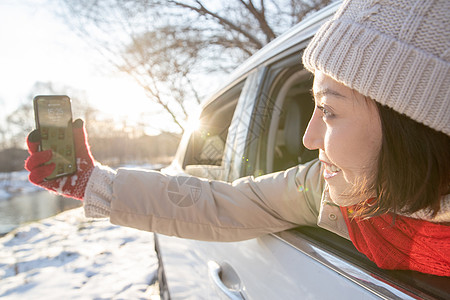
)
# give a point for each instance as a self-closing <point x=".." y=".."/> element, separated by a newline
<point x="286" y="147"/>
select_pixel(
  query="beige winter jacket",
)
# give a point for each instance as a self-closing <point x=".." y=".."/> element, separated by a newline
<point x="196" y="208"/>
<point x="202" y="209"/>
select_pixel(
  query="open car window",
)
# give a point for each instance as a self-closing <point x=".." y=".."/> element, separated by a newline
<point x="285" y="107"/>
<point x="205" y="150"/>
<point x="293" y="101"/>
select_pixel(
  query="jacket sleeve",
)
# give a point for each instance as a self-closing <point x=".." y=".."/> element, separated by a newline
<point x="201" y="209"/>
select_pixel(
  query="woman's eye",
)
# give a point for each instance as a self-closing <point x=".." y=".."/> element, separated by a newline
<point x="325" y="112"/>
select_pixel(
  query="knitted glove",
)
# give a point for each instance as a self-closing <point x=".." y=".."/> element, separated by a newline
<point x="72" y="186"/>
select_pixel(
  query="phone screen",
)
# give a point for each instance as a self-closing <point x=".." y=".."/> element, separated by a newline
<point x="54" y="121"/>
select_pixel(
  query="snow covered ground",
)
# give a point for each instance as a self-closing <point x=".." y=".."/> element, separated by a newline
<point x="68" y="256"/>
<point x="71" y="257"/>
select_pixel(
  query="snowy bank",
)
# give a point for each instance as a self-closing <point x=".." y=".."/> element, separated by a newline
<point x="71" y="257"/>
<point x="15" y="183"/>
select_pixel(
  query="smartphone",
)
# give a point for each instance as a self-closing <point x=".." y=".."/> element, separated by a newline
<point x="53" y="116"/>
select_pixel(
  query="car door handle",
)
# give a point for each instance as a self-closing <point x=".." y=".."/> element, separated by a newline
<point x="233" y="290"/>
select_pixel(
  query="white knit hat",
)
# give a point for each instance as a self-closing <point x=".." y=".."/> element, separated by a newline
<point x="396" y="52"/>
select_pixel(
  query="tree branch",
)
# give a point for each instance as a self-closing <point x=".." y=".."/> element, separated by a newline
<point x="260" y="17"/>
<point x="202" y="10"/>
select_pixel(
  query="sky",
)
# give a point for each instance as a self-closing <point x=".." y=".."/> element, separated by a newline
<point x="36" y="45"/>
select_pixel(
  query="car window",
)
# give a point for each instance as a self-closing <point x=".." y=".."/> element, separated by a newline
<point x="293" y="100"/>
<point x="204" y="154"/>
<point x="288" y="106"/>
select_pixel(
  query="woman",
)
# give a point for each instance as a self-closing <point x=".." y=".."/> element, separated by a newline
<point x="381" y="125"/>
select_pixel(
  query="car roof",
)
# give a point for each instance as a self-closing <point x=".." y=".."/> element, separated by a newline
<point x="298" y="33"/>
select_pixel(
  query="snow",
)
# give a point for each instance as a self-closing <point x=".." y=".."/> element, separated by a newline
<point x="4" y="194"/>
<point x="15" y="183"/>
<point x="70" y="257"/>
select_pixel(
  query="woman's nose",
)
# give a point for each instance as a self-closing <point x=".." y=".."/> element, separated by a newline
<point x="314" y="134"/>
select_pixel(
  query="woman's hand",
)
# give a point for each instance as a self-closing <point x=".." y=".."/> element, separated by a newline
<point x="72" y="186"/>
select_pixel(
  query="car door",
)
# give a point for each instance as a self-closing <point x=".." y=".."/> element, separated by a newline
<point x="202" y="153"/>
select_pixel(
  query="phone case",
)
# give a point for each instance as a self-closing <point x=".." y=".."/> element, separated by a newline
<point x="53" y="116"/>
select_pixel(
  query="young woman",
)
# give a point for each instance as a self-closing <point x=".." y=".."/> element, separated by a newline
<point x="382" y="127"/>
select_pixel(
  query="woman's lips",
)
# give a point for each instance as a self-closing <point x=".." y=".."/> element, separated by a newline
<point x="330" y="170"/>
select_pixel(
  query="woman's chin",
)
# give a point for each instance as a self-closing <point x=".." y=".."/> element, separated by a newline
<point x="342" y="198"/>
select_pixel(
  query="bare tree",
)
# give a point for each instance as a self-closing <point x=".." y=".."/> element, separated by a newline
<point x="166" y="44"/>
<point x="19" y="123"/>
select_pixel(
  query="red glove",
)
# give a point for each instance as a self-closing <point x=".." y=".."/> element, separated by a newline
<point x="72" y="186"/>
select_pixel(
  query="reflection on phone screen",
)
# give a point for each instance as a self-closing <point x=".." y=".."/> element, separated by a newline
<point x="54" y="120"/>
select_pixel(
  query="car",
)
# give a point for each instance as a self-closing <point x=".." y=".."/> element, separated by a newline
<point x="253" y="126"/>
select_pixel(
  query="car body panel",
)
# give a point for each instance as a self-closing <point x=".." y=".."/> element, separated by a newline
<point x="268" y="268"/>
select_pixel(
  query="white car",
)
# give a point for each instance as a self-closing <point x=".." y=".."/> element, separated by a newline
<point x="253" y="126"/>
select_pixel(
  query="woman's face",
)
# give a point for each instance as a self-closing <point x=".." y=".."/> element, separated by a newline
<point x="346" y="129"/>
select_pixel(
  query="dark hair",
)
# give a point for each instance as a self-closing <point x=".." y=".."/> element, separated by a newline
<point x="413" y="167"/>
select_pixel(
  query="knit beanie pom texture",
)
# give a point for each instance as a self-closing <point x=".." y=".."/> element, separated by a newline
<point x="396" y="52"/>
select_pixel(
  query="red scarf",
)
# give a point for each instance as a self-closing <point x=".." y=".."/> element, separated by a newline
<point x="403" y="244"/>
